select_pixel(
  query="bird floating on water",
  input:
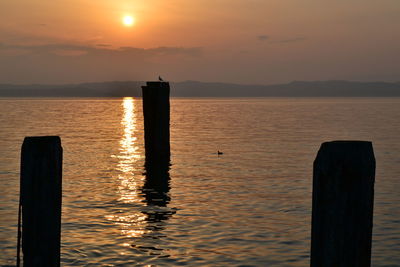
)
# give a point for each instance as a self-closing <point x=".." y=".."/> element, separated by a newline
<point x="160" y="79"/>
<point x="220" y="153"/>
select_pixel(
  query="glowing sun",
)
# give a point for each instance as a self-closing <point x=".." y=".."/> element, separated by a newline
<point x="128" y="20"/>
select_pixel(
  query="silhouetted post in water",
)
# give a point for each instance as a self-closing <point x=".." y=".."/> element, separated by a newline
<point x="342" y="206"/>
<point x="156" y="139"/>
<point x="41" y="186"/>
<point x="156" y="122"/>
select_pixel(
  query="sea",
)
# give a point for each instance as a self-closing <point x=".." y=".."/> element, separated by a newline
<point x="250" y="206"/>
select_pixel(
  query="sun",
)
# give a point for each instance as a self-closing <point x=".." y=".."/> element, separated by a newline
<point x="128" y="20"/>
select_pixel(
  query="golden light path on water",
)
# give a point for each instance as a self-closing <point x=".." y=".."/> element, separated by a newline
<point x="132" y="223"/>
<point x="128" y="154"/>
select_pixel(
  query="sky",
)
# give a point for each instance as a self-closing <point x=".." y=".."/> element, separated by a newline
<point x="237" y="41"/>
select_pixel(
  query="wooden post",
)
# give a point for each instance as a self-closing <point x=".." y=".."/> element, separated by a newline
<point x="41" y="186"/>
<point x="342" y="205"/>
<point x="156" y="122"/>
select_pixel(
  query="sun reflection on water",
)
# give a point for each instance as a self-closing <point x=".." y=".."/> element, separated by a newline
<point x="132" y="223"/>
<point x="129" y="149"/>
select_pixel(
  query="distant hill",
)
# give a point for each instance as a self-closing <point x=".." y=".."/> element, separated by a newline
<point x="293" y="89"/>
<point x="103" y="89"/>
<point x="201" y="89"/>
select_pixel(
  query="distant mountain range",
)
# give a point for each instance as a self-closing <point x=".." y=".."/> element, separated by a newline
<point x="202" y="89"/>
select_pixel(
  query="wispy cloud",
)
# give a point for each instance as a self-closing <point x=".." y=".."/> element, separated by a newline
<point x="59" y="62"/>
<point x="291" y="40"/>
<point x="103" y="45"/>
<point x="102" y="49"/>
<point x="263" y="37"/>
<point x="275" y="40"/>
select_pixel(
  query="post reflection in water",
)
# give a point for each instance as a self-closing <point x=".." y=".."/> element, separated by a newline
<point x="146" y="196"/>
<point x="156" y="190"/>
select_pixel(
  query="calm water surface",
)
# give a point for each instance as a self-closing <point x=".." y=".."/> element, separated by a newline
<point x="248" y="207"/>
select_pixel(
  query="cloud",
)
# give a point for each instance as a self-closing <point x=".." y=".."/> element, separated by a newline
<point x="64" y="63"/>
<point x="191" y="51"/>
<point x="270" y="39"/>
<point x="103" y="49"/>
<point x="291" y="40"/>
<point x="263" y="37"/>
<point x="103" y="45"/>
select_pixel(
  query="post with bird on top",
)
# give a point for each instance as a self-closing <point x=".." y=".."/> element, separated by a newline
<point x="156" y="113"/>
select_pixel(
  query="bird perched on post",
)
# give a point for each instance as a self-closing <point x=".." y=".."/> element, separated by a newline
<point x="160" y="79"/>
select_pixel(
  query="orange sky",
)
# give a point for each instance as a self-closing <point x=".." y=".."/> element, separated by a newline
<point x="241" y="41"/>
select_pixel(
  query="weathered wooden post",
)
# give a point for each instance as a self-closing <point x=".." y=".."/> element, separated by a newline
<point x="156" y="123"/>
<point x="40" y="191"/>
<point x="342" y="205"/>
